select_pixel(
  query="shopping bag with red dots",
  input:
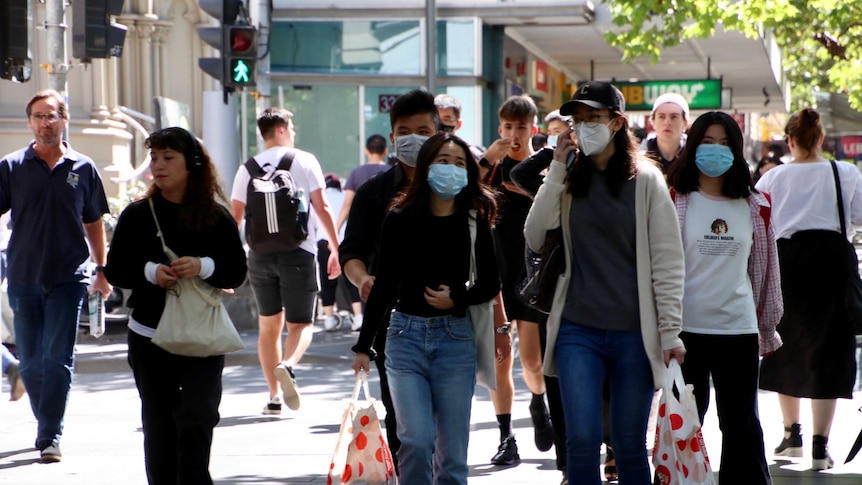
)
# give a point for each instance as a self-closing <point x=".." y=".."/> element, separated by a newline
<point x="679" y="453"/>
<point x="361" y="455"/>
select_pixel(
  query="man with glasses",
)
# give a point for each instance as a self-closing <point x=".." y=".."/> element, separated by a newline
<point x="57" y="202"/>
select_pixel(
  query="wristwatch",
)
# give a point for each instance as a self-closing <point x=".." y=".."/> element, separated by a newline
<point x="99" y="269"/>
<point x="504" y="329"/>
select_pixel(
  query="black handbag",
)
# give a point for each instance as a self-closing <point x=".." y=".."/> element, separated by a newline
<point x="538" y="292"/>
<point x="853" y="295"/>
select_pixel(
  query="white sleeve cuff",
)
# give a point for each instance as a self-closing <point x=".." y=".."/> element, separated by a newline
<point x="207" y="267"/>
<point x="150" y="272"/>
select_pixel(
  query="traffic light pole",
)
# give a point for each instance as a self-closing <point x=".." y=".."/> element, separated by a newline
<point x="55" y="31"/>
<point x="259" y="10"/>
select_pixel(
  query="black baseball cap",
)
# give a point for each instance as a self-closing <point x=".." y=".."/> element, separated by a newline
<point x="595" y="94"/>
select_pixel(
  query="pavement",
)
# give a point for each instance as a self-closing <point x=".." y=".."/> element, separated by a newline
<point x="102" y="442"/>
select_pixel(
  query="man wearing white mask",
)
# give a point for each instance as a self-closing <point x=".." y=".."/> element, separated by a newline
<point x="413" y="119"/>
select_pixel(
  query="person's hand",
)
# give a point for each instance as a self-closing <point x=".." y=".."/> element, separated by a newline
<point x="677" y="353"/>
<point x="186" y="266"/>
<point x="165" y="276"/>
<point x="333" y="267"/>
<point x="100" y="283"/>
<point x="498" y="150"/>
<point x="565" y="146"/>
<point x="502" y="346"/>
<point x="362" y="362"/>
<point x="365" y="287"/>
<point x="439" y="298"/>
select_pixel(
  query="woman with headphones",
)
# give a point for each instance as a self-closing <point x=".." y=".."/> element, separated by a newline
<point x="180" y="395"/>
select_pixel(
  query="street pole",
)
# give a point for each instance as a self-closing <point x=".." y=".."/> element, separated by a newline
<point x="55" y="30"/>
<point x="260" y="14"/>
<point x="431" y="45"/>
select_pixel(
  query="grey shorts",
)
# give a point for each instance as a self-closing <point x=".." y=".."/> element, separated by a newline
<point x="284" y="281"/>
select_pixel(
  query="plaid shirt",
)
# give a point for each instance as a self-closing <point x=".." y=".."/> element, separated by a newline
<point x="762" y="268"/>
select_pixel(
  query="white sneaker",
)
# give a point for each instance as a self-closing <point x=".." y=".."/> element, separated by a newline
<point x="51" y="454"/>
<point x="356" y="324"/>
<point x="285" y="377"/>
<point x="331" y="324"/>
<point x="273" y="407"/>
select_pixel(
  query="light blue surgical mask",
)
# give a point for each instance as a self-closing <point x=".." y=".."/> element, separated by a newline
<point x="713" y="160"/>
<point x="447" y="181"/>
<point x="552" y="141"/>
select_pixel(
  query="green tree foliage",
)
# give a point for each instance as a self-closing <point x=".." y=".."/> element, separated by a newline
<point x="821" y="39"/>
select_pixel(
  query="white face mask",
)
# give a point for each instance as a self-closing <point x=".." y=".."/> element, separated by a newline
<point x="593" y="137"/>
<point x="552" y="141"/>
<point x="407" y="148"/>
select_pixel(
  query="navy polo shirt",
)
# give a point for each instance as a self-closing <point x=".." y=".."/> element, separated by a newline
<point x="49" y="207"/>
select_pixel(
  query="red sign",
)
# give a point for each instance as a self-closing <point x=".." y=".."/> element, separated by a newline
<point x="385" y="102"/>
<point x="850" y="146"/>
<point x="540" y="75"/>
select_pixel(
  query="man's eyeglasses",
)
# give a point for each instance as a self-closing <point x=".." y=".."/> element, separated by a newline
<point x="50" y="117"/>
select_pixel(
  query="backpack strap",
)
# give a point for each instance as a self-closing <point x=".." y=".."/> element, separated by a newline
<point x="286" y="160"/>
<point x="254" y="169"/>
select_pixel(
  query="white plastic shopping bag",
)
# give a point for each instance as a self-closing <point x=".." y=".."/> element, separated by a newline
<point x="361" y="455"/>
<point x="679" y="454"/>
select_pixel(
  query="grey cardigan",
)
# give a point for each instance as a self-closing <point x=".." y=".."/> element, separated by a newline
<point x="660" y="259"/>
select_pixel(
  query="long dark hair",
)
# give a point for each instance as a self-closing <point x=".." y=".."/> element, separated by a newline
<point x="199" y="207"/>
<point x="684" y="176"/>
<point x="475" y="195"/>
<point x="621" y="165"/>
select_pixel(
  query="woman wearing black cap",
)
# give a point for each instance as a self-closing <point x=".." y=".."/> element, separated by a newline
<point x="617" y="307"/>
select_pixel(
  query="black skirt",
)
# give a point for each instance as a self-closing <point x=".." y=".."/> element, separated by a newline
<point x="818" y="358"/>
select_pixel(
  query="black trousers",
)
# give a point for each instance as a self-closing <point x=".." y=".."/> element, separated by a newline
<point x="732" y="361"/>
<point x="180" y="397"/>
<point x="555" y="403"/>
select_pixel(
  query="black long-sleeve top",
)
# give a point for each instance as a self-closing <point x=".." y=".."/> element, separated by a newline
<point x="527" y="175"/>
<point x="418" y="250"/>
<point x="135" y="243"/>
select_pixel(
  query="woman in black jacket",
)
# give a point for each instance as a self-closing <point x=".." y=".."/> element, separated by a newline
<point x="180" y="395"/>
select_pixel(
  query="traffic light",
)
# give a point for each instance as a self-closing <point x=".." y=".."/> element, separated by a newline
<point x="225" y="11"/>
<point x="94" y="34"/>
<point x="241" y="55"/>
<point x="235" y="39"/>
<point x="15" y="22"/>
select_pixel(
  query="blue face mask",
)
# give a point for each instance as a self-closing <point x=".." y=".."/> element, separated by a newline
<point x="713" y="160"/>
<point x="447" y="181"/>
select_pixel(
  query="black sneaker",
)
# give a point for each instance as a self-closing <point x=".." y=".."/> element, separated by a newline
<point x="543" y="431"/>
<point x="507" y="453"/>
<point x="792" y="446"/>
<point x="273" y="407"/>
<point x="820" y="459"/>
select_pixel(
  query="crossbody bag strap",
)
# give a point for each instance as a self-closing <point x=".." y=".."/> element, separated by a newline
<point x="471" y="221"/>
<point x="161" y="236"/>
<point x="840" y="197"/>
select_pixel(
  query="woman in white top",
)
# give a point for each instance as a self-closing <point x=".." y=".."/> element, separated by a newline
<point x="732" y="300"/>
<point x="817" y="360"/>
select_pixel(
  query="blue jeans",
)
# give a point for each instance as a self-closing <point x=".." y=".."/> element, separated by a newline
<point x="46" y="329"/>
<point x="585" y="356"/>
<point x="431" y="365"/>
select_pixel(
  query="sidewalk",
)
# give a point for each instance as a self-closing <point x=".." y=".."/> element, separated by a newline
<point x="102" y="443"/>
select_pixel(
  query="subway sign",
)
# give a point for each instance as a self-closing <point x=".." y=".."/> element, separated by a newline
<point x="700" y="93"/>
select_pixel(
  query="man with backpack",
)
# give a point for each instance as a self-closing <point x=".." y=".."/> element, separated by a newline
<point x="272" y="192"/>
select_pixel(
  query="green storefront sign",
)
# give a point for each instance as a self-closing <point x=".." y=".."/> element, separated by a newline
<point x="700" y="93"/>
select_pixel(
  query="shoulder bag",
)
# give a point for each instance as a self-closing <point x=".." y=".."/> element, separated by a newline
<point x="194" y="322"/>
<point x="538" y="292"/>
<point x="853" y="293"/>
<point x="482" y="318"/>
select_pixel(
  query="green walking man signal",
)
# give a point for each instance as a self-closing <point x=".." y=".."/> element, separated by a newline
<point x="240" y="71"/>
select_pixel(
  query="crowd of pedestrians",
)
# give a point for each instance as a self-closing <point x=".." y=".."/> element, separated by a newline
<point x="674" y="249"/>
